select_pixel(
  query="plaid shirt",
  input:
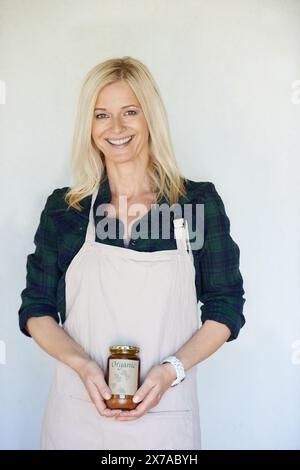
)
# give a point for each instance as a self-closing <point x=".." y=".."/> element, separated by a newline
<point x="61" y="233"/>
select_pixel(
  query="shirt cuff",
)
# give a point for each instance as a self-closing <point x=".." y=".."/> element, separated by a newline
<point x="36" y="311"/>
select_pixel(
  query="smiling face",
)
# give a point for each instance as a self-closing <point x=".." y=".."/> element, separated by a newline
<point x="118" y="117"/>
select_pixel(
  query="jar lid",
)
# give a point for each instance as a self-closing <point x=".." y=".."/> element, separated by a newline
<point x="124" y="348"/>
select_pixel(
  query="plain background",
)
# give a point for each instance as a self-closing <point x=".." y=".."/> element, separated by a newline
<point x="227" y="71"/>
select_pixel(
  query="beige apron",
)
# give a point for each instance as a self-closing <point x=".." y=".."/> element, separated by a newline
<point x="116" y="295"/>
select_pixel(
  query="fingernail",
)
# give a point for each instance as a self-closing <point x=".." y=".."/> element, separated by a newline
<point x="136" y="399"/>
<point x="106" y="396"/>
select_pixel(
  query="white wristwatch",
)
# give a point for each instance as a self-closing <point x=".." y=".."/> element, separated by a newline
<point x="178" y="366"/>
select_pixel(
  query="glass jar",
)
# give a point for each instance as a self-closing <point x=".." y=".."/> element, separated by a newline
<point x="123" y="376"/>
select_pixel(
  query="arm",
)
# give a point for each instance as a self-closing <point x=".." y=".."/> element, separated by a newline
<point x="207" y="340"/>
<point x="220" y="287"/>
<point x="39" y="298"/>
<point x="55" y="341"/>
<point x="220" y="283"/>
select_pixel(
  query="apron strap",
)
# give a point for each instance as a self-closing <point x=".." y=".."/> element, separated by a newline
<point x="180" y="228"/>
<point x="91" y="230"/>
<point x="182" y="235"/>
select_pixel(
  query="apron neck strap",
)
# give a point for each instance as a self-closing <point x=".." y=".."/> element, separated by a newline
<point x="182" y="236"/>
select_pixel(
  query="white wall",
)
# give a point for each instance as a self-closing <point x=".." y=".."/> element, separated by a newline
<point x="225" y="70"/>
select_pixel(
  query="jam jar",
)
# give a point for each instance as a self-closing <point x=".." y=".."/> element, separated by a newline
<point x="123" y="376"/>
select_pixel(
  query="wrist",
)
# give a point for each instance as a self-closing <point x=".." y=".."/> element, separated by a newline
<point x="79" y="363"/>
<point x="178" y="366"/>
<point x="170" y="371"/>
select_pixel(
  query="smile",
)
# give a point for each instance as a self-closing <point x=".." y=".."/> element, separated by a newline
<point x="120" y="142"/>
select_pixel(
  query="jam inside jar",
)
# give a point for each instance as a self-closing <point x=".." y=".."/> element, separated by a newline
<point x="123" y="376"/>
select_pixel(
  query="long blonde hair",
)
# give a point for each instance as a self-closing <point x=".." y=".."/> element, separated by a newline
<point x="88" y="162"/>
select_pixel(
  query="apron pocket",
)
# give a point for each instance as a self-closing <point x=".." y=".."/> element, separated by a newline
<point x="170" y="429"/>
<point x="170" y="414"/>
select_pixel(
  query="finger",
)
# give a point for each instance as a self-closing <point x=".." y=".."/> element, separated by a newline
<point x="151" y="400"/>
<point x="99" y="402"/>
<point x="105" y="392"/>
<point x="143" y="391"/>
<point x="102" y="386"/>
<point x="96" y="397"/>
<point x="126" y="415"/>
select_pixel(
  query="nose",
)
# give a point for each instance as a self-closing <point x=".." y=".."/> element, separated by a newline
<point x="117" y="126"/>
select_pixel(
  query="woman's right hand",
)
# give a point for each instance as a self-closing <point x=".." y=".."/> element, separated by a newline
<point x="93" y="378"/>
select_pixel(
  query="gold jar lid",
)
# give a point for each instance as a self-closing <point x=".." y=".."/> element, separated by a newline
<point x="124" y="348"/>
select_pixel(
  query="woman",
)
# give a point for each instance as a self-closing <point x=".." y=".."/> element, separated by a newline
<point x="121" y="286"/>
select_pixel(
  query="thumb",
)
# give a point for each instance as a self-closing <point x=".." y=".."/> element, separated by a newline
<point x="102" y="386"/>
<point x="141" y="392"/>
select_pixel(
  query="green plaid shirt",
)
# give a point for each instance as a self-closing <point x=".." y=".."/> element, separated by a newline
<point x="61" y="233"/>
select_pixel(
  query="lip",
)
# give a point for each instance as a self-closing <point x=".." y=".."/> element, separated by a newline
<point x="122" y="145"/>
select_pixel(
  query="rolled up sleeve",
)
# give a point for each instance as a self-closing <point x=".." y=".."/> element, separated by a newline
<point x="221" y="283"/>
<point x="39" y="297"/>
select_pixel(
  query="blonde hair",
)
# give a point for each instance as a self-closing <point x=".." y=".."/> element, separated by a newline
<point x="88" y="162"/>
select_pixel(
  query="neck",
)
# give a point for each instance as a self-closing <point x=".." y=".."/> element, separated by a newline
<point x="128" y="180"/>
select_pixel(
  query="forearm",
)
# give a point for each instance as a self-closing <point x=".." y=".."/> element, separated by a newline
<point x="210" y="337"/>
<point x="55" y="341"/>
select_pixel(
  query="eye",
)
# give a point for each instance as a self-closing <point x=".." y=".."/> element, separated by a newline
<point x="131" y="111"/>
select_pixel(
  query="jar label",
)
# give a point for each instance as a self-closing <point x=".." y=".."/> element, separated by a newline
<point x="123" y="376"/>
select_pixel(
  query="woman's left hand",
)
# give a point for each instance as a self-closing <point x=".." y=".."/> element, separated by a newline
<point x="157" y="381"/>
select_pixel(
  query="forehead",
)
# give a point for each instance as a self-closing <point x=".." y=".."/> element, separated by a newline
<point x="116" y="94"/>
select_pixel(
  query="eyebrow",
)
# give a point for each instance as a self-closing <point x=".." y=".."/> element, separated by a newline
<point x="123" y="107"/>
